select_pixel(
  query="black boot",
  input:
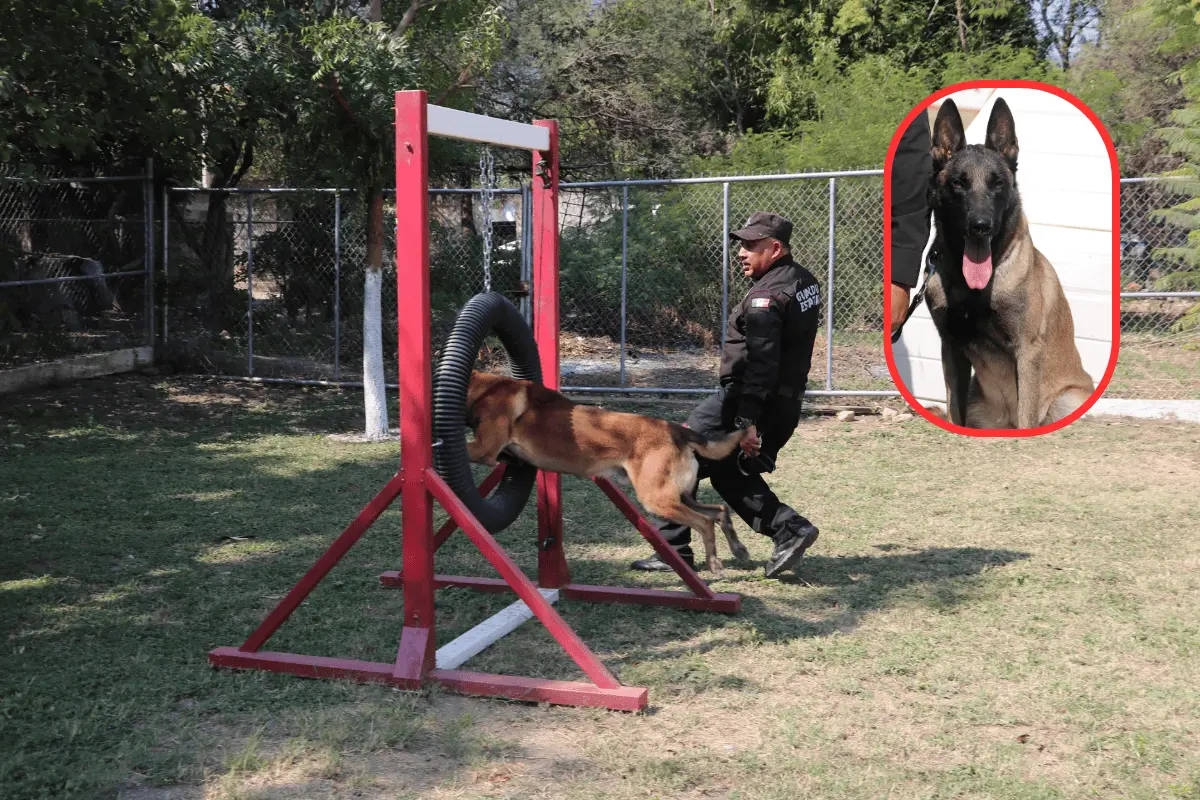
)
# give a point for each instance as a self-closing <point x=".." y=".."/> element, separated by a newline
<point x="790" y="544"/>
<point x="656" y="564"/>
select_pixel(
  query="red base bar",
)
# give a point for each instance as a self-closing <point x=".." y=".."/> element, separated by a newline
<point x="394" y="579"/>
<point x="533" y="690"/>
<point x="725" y="603"/>
<point x="538" y="690"/>
<point x="306" y="666"/>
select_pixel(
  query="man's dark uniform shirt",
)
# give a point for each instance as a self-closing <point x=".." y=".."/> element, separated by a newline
<point x="769" y="339"/>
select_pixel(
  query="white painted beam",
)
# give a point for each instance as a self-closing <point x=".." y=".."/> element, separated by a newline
<point x="453" y="655"/>
<point x="455" y="124"/>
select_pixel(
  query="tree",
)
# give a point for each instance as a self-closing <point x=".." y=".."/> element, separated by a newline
<point x="1183" y="138"/>
<point x="62" y="63"/>
<point x="626" y="81"/>
<point x="343" y="127"/>
<point x="1066" y="24"/>
<point x="1126" y="78"/>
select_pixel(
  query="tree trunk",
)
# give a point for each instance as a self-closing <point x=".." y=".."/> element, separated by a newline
<point x="374" y="390"/>
<point x="962" y="24"/>
<point x="216" y="253"/>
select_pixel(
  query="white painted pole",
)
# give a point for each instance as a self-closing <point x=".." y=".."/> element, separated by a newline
<point x="456" y="653"/>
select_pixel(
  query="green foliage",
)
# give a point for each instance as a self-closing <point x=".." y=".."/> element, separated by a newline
<point x="1001" y="62"/>
<point x="912" y="33"/>
<point x="74" y="74"/>
<point x="343" y="121"/>
<point x="1130" y="79"/>
<point x="836" y="113"/>
<point x="1182" y="137"/>
<point x="844" y="114"/>
<point x="628" y="81"/>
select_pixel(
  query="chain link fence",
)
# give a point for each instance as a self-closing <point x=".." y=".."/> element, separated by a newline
<point x="1160" y="300"/>
<point x="647" y="278"/>
<point x="76" y="267"/>
<point x="268" y="283"/>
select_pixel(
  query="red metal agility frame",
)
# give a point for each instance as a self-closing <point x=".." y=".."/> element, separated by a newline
<point x="419" y="485"/>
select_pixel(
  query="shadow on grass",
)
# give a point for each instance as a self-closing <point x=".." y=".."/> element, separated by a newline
<point x="830" y="595"/>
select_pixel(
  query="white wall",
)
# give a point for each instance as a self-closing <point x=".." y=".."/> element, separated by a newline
<point x="1065" y="179"/>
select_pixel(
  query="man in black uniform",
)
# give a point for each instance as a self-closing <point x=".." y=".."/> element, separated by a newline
<point x="912" y="169"/>
<point x="764" y="372"/>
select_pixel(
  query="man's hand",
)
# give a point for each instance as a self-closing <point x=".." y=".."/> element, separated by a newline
<point x="751" y="444"/>
<point x="899" y="305"/>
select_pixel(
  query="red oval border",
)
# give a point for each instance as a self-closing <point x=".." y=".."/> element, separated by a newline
<point x="887" y="260"/>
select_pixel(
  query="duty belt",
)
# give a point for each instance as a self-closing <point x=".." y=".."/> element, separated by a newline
<point x="790" y="392"/>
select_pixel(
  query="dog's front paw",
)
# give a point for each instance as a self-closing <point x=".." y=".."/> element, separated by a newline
<point x="740" y="551"/>
<point x="715" y="566"/>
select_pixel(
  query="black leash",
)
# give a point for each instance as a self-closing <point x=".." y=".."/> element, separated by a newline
<point x="919" y="296"/>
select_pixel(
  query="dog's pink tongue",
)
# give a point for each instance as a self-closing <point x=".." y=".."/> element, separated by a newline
<point x="977" y="263"/>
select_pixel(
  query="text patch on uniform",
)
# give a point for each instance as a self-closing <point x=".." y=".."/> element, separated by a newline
<point x="809" y="296"/>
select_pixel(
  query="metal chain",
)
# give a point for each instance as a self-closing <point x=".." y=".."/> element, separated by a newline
<point x="487" y="183"/>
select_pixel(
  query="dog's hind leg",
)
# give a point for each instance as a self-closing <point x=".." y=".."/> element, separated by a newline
<point x="675" y="510"/>
<point x="1065" y="404"/>
<point x="735" y="544"/>
<point x="720" y="514"/>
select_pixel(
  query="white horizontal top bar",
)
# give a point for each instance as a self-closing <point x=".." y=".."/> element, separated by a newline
<point x="455" y="124"/>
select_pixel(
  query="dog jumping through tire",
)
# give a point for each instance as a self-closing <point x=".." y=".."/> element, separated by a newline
<point x="658" y="458"/>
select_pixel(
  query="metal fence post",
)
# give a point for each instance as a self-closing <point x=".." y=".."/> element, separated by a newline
<point x="624" y="270"/>
<point x="829" y="287"/>
<point x="337" y="285"/>
<point x="526" y="249"/>
<point x="250" y="284"/>
<point x="166" y="257"/>
<point x="148" y="248"/>
<point x="724" y="260"/>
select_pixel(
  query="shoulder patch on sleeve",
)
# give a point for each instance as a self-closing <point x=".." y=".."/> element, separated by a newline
<point x="760" y="302"/>
<point x="808" y="296"/>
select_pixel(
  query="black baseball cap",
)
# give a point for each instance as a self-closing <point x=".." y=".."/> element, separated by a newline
<point x="764" y="224"/>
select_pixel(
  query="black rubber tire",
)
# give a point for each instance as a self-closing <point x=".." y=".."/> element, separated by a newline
<point x="483" y="314"/>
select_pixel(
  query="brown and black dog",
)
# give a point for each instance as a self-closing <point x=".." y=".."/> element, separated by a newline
<point x="546" y="429"/>
<point x="1008" y="339"/>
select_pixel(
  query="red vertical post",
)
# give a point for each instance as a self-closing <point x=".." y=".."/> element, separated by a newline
<point x="552" y="565"/>
<point x="417" y="643"/>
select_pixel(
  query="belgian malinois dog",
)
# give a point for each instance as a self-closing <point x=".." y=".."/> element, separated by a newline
<point x="996" y="300"/>
<point x="658" y="458"/>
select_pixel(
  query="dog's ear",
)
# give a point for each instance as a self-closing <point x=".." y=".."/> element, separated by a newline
<point x="1002" y="133"/>
<point x="948" y="135"/>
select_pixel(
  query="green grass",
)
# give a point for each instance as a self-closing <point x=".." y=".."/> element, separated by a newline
<point x="1000" y="618"/>
<point x="1157" y="366"/>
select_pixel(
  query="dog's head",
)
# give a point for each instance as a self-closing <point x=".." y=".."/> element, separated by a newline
<point x="974" y="187"/>
<point x="480" y="383"/>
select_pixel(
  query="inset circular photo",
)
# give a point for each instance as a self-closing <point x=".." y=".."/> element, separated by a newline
<point x="1001" y="275"/>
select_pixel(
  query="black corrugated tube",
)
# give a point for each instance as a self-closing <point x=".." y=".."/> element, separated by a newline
<point x="483" y="314"/>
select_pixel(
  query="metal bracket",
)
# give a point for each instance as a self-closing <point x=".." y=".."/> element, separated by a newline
<point x="542" y="172"/>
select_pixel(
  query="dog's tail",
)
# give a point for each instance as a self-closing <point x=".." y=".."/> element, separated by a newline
<point x="714" y="448"/>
